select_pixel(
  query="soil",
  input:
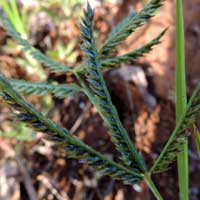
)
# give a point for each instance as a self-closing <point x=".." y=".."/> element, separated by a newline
<point x="148" y="114"/>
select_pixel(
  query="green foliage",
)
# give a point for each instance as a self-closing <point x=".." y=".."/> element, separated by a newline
<point x="64" y="53"/>
<point x="69" y="7"/>
<point x="19" y="21"/>
<point x="179" y="135"/>
<point x="20" y="132"/>
<point x="41" y="89"/>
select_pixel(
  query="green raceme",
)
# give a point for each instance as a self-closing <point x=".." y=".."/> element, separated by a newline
<point x="179" y="135"/>
<point x="41" y="89"/>
<point x="132" y="56"/>
<point x="77" y="149"/>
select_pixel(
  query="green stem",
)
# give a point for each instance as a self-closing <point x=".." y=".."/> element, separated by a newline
<point x="181" y="99"/>
<point x="152" y="187"/>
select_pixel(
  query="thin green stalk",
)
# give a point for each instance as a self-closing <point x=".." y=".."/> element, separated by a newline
<point x="181" y="100"/>
<point x="152" y="187"/>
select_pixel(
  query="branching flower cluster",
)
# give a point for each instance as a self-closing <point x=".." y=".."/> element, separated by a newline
<point x="130" y="168"/>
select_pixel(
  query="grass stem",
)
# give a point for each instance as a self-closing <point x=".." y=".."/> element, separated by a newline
<point x="181" y="99"/>
<point x="152" y="187"/>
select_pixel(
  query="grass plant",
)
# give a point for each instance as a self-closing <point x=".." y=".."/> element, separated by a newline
<point x="130" y="167"/>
